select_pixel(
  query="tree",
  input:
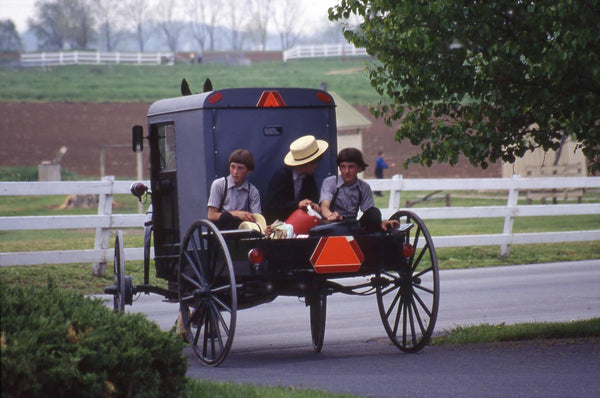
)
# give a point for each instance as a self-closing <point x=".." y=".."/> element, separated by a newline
<point x="260" y="14"/>
<point x="236" y="19"/>
<point x="9" y="38"/>
<point x="168" y="23"/>
<point x="488" y="79"/>
<point x="287" y="15"/>
<point x="61" y="24"/>
<point x="108" y="12"/>
<point x="196" y="10"/>
<point x="137" y="13"/>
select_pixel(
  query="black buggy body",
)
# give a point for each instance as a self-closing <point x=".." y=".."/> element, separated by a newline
<point x="214" y="273"/>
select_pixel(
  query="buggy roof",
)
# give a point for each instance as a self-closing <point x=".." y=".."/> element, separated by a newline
<point x="250" y="97"/>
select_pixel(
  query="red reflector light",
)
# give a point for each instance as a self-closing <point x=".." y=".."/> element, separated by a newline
<point x="408" y="250"/>
<point x="216" y="97"/>
<point x="256" y="256"/>
<point x="324" y="97"/>
<point x="270" y="99"/>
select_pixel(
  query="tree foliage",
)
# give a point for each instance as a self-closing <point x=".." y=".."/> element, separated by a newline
<point x="488" y="79"/>
<point x="9" y="37"/>
<point x="63" y="24"/>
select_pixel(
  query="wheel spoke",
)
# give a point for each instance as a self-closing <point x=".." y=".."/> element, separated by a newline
<point x="220" y="319"/>
<point x="422" y="303"/>
<point x="421" y="273"/>
<point x="190" y="280"/>
<point x="416" y="262"/>
<point x="417" y="315"/>
<point x="222" y="304"/>
<point x="398" y="317"/>
<point x="189" y="256"/>
<point x="412" y="324"/>
<point x="393" y="303"/>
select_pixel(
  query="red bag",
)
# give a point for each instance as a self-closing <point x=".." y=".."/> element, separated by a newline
<point x="302" y="221"/>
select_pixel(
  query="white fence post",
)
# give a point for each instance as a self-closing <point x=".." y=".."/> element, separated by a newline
<point x="513" y="199"/>
<point x="105" y="204"/>
<point x="394" y="202"/>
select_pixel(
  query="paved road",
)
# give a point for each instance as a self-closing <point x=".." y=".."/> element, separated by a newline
<point x="272" y="342"/>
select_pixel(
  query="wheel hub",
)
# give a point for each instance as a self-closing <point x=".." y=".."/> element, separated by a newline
<point x="201" y="292"/>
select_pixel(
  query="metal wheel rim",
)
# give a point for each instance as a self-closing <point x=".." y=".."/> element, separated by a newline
<point x="207" y="293"/>
<point x="119" y="273"/>
<point x="409" y="300"/>
<point x="318" y="316"/>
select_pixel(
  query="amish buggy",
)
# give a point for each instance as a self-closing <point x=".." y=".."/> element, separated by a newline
<point x="213" y="273"/>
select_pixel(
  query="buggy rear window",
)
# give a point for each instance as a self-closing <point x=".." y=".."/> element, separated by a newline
<point x="166" y="147"/>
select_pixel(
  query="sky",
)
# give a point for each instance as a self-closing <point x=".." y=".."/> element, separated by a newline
<point x="20" y="10"/>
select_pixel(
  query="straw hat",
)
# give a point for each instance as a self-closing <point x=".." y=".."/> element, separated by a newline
<point x="304" y="150"/>
<point x="259" y="225"/>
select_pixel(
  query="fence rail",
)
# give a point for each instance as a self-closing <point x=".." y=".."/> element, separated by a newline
<point x="95" y="58"/>
<point x="323" y="51"/>
<point x="105" y="221"/>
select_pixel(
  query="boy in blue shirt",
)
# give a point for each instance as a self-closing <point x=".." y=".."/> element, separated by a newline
<point x="233" y="199"/>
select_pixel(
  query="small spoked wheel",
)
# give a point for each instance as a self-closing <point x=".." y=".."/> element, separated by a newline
<point x="123" y="288"/>
<point x="207" y="292"/>
<point x="119" y="273"/>
<point x="408" y="292"/>
<point x="318" y="311"/>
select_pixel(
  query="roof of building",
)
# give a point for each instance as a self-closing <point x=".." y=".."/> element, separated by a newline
<point x="347" y="116"/>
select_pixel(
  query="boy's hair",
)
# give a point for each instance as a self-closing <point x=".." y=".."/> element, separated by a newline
<point x="352" y="155"/>
<point x="242" y="156"/>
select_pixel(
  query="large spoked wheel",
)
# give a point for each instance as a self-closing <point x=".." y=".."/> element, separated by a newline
<point x="408" y="293"/>
<point x="207" y="292"/>
<point x="318" y="313"/>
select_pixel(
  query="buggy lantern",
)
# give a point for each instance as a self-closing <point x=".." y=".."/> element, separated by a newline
<point x="256" y="257"/>
<point x="408" y="250"/>
<point x="138" y="190"/>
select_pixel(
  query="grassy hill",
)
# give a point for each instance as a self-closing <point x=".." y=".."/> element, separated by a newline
<point x="127" y="83"/>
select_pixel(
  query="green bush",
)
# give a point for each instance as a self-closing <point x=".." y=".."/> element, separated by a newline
<point x="61" y="344"/>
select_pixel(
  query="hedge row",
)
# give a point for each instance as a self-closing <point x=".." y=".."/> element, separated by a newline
<point x="60" y="344"/>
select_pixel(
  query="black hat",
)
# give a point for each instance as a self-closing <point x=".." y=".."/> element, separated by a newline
<point x="352" y="155"/>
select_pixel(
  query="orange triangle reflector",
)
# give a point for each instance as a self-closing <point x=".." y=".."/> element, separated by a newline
<point x="337" y="254"/>
<point x="270" y="99"/>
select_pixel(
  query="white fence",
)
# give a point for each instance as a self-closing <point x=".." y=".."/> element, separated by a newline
<point x="95" y="58"/>
<point x="323" y="50"/>
<point x="105" y="221"/>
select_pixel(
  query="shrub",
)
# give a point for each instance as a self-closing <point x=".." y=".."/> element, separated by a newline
<point x="61" y="344"/>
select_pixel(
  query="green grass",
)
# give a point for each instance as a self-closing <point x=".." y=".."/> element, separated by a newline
<point x="209" y="389"/>
<point x="127" y="83"/>
<point x="488" y="333"/>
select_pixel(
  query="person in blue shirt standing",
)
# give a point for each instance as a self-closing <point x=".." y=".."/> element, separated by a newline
<point x="380" y="165"/>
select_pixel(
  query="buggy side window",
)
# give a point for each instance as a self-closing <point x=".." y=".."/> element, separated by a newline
<point x="166" y="147"/>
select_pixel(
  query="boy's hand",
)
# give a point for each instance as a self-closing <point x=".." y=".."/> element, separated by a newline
<point x="389" y="224"/>
<point x="243" y="215"/>
<point x="334" y="216"/>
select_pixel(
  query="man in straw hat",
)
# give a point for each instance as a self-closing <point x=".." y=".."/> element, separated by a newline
<point x="293" y="186"/>
<point x="343" y="196"/>
<point x="233" y="199"/>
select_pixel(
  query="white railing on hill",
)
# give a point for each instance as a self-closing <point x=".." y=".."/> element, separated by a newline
<point x="323" y="51"/>
<point x="95" y="58"/>
<point x="105" y="221"/>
